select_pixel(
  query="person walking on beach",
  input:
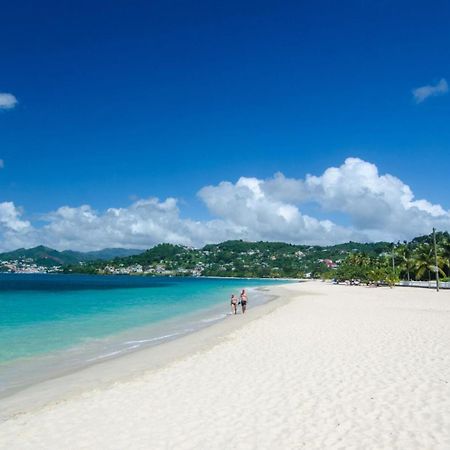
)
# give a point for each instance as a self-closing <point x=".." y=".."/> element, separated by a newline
<point x="234" y="302"/>
<point x="243" y="298"/>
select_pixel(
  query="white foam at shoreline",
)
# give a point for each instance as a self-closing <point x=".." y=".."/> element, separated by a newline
<point x="158" y="338"/>
<point x="107" y="355"/>
<point x="214" y="319"/>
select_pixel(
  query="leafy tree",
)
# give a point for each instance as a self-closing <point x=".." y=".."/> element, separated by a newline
<point x="425" y="261"/>
<point x="404" y="259"/>
<point x="444" y="251"/>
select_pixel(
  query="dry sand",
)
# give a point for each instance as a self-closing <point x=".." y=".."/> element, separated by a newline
<point x="338" y="367"/>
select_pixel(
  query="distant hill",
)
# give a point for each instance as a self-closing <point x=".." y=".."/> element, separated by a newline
<point x="231" y="258"/>
<point x="48" y="257"/>
<point x="106" y="253"/>
<point x="235" y="258"/>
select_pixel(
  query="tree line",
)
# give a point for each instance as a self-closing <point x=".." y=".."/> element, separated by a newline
<point x="410" y="261"/>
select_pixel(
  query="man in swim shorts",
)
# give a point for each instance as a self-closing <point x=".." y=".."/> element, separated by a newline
<point x="243" y="298"/>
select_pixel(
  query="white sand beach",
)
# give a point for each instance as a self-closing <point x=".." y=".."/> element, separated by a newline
<point x="336" y="367"/>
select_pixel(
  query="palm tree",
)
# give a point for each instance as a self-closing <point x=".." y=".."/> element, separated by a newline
<point x="403" y="254"/>
<point x="424" y="261"/>
<point x="444" y="250"/>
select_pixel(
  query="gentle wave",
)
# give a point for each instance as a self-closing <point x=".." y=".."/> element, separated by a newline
<point x="214" y="319"/>
<point x="137" y="344"/>
<point x="106" y="355"/>
<point x="158" y="338"/>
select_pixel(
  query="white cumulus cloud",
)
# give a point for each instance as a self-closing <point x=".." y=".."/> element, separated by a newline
<point x="376" y="206"/>
<point x="7" y="101"/>
<point x="381" y="206"/>
<point x="422" y="93"/>
<point x="248" y="206"/>
<point x="10" y="218"/>
<point x="14" y="231"/>
<point x="143" y="224"/>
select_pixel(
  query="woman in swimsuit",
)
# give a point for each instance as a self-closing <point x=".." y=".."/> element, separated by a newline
<point x="234" y="304"/>
<point x="244" y="299"/>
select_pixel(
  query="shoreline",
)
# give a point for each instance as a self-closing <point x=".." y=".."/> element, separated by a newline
<point x="103" y="373"/>
<point x="155" y="276"/>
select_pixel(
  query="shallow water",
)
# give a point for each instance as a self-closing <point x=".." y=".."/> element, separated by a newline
<point x="52" y="324"/>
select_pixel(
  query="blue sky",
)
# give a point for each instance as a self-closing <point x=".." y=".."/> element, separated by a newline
<point x="128" y="100"/>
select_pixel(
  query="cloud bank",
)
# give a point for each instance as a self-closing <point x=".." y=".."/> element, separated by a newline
<point x="422" y="93"/>
<point x="377" y="207"/>
<point x="7" y="101"/>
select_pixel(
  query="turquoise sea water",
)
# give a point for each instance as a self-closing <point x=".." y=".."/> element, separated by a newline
<point x="55" y="323"/>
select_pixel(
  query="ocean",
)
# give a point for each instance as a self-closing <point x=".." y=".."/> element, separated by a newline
<point x="54" y="324"/>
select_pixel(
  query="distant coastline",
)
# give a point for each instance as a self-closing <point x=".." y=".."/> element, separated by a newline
<point x="233" y="259"/>
<point x="378" y="262"/>
<point x="212" y="277"/>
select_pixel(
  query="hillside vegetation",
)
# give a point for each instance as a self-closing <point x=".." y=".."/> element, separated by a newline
<point x="233" y="259"/>
<point x="367" y="262"/>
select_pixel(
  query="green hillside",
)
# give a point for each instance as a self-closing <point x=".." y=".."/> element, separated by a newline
<point x="239" y="258"/>
<point x="48" y="257"/>
<point x="232" y="258"/>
